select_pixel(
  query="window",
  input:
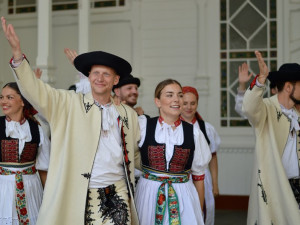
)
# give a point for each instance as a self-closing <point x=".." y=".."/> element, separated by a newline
<point x="29" y="6"/>
<point x="58" y="5"/>
<point x="107" y="3"/>
<point x="21" y="6"/>
<point x="245" y="26"/>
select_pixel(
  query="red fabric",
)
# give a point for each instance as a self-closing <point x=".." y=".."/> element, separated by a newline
<point x="176" y="123"/>
<point x="189" y="89"/>
<point x="253" y="82"/>
<point x="197" y="178"/>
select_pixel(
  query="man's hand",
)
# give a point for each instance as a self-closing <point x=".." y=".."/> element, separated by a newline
<point x="244" y="76"/>
<point x="71" y="54"/>
<point x="12" y="38"/>
<point x="38" y="73"/>
<point x="263" y="68"/>
<point x="139" y="110"/>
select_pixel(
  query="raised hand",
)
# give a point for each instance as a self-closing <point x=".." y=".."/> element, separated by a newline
<point x="38" y="73"/>
<point x="71" y="54"/>
<point x="263" y="68"/>
<point x="244" y="76"/>
<point x="12" y="38"/>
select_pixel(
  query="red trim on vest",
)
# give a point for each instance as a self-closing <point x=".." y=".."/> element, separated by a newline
<point x="253" y="82"/>
<point x="198" y="177"/>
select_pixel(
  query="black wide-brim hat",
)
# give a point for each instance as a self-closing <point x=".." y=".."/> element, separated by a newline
<point x="287" y="72"/>
<point x="85" y="61"/>
<point x="128" y="79"/>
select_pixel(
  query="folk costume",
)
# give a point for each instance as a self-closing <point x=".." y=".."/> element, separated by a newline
<point x="272" y="200"/>
<point x="170" y="158"/>
<point x="214" y="144"/>
<point x="24" y="150"/>
<point x="78" y="127"/>
<point x="213" y="140"/>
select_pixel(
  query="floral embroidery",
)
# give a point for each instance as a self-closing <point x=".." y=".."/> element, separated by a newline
<point x="20" y="192"/>
<point x="173" y="205"/>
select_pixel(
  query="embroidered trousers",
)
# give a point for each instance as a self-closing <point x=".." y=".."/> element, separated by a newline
<point x="109" y="205"/>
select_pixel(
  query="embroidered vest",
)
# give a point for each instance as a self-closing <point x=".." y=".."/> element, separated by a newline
<point x="9" y="147"/>
<point x="153" y="154"/>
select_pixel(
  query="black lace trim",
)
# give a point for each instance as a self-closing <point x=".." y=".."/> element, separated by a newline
<point x="112" y="206"/>
<point x="88" y="211"/>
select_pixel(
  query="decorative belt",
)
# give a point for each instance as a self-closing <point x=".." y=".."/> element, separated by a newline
<point x="173" y="204"/>
<point x="20" y="192"/>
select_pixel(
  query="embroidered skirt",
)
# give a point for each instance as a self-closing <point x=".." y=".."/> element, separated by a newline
<point x="34" y="193"/>
<point x="108" y="205"/>
<point x="189" y="203"/>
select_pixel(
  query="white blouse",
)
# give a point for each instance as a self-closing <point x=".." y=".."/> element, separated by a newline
<point x="22" y="132"/>
<point x="165" y="134"/>
<point x="212" y="135"/>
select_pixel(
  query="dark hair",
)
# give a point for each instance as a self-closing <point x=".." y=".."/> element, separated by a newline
<point x="162" y="85"/>
<point x="28" y="110"/>
<point x="280" y="84"/>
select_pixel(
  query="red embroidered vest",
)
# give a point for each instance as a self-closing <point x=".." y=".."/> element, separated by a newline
<point x="9" y="147"/>
<point x="153" y="154"/>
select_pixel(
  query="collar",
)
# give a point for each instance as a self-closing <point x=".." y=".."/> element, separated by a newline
<point x="176" y="123"/>
<point x="103" y="106"/>
<point x="194" y="120"/>
<point x="22" y="121"/>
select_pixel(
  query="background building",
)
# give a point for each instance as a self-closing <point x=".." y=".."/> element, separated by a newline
<point x="198" y="42"/>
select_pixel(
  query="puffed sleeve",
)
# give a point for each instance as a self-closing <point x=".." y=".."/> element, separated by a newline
<point x="202" y="155"/>
<point x="143" y="125"/>
<point x="213" y="137"/>
<point x="43" y="155"/>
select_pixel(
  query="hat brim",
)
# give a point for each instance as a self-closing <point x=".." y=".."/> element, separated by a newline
<point x="279" y="76"/>
<point x="125" y="81"/>
<point x="84" y="62"/>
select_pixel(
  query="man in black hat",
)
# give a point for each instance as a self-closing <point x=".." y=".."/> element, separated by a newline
<point x="275" y="192"/>
<point x="127" y="91"/>
<point x="94" y="142"/>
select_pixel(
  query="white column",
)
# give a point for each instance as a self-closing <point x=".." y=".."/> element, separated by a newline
<point x="83" y="25"/>
<point x="44" y="39"/>
<point x="202" y="77"/>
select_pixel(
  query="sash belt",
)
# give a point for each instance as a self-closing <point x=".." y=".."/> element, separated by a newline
<point x="173" y="204"/>
<point x="20" y="192"/>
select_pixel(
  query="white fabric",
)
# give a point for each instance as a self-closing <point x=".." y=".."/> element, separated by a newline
<point x="290" y="157"/>
<point x="34" y="194"/>
<point x="215" y="142"/>
<point x="32" y="183"/>
<point x="239" y="103"/>
<point x="84" y="85"/>
<point x="189" y="204"/>
<point x="105" y="172"/>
